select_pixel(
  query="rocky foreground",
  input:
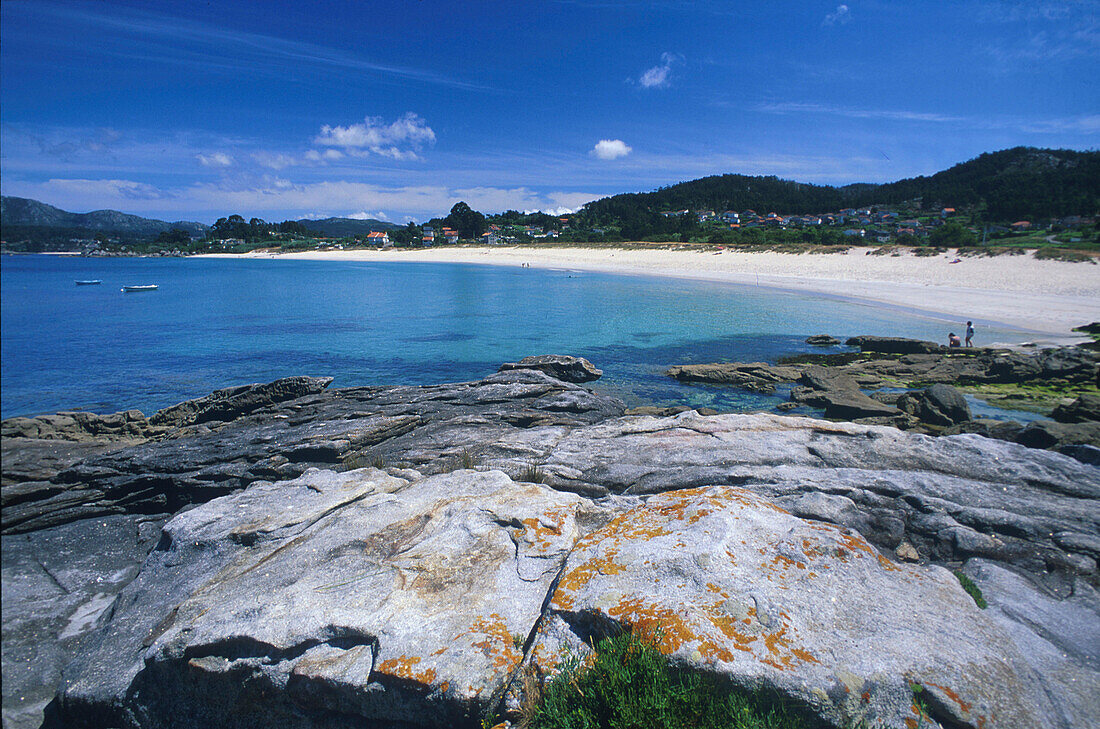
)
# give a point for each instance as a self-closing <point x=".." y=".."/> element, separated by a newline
<point x="285" y="555"/>
<point x="914" y="385"/>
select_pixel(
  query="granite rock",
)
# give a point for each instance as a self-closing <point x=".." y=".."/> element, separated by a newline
<point x="560" y="366"/>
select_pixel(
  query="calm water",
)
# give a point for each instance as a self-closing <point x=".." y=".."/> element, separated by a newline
<point x="215" y="323"/>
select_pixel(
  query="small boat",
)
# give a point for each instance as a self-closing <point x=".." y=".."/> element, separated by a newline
<point x="88" y="282"/>
<point x="146" y="287"/>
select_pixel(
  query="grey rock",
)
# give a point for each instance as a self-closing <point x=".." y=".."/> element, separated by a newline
<point x="1054" y="636"/>
<point x="900" y="486"/>
<point x="233" y="402"/>
<point x="943" y="405"/>
<point x="1084" y="409"/>
<point x="559" y="366"/>
<point x="419" y="427"/>
<point x="59" y="586"/>
<point x="728" y="584"/>
<point x="999" y="429"/>
<point x="351" y="598"/>
<point x="80" y="426"/>
<point x="755" y="376"/>
<point x="894" y="345"/>
<point x="822" y="340"/>
<point x="1049" y="434"/>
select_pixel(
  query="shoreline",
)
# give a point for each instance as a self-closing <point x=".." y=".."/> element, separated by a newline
<point x="1042" y="298"/>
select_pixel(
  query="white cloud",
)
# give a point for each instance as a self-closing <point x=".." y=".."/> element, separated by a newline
<point x="401" y="139"/>
<point x="364" y="215"/>
<point x="274" y="160"/>
<point x="610" y="149"/>
<point x="658" y="76"/>
<point x="217" y="159"/>
<point x="841" y="15"/>
<point x="280" y="197"/>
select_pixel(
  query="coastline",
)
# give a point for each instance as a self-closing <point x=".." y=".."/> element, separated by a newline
<point x="1043" y="298"/>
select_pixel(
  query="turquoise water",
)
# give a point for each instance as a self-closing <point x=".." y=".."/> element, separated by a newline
<point x="220" y="322"/>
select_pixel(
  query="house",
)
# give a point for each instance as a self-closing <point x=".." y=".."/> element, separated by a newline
<point x="1021" y="225"/>
<point x="378" y="238"/>
<point x="704" y="215"/>
<point x="947" y="212"/>
<point x="854" y="232"/>
<point x="731" y="216"/>
<point x="450" y="235"/>
<point x="427" y="240"/>
<point x="490" y="239"/>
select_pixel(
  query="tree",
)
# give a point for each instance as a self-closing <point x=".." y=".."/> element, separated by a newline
<point x="173" y="238"/>
<point x="468" y="222"/>
<point x="953" y="235"/>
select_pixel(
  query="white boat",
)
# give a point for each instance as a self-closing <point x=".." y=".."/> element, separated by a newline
<point x="146" y="287"/>
<point x="88" y="282"/>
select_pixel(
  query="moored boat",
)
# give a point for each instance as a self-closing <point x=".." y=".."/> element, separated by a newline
<point x="88" y="282"/>
<point x="146" y="287"/>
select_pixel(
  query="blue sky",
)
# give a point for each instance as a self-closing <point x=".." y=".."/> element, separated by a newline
<point x="397" y="110"/>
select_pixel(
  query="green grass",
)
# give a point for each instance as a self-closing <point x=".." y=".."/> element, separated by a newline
<point x="628" y="684"/>
<point x="971" y="589"/>
<point x="532" y="474"/>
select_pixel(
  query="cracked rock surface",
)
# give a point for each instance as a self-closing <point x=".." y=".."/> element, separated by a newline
<point x="379" y="556"/>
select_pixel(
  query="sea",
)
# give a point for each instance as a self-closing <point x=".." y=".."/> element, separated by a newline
<point x="214" y="323"/>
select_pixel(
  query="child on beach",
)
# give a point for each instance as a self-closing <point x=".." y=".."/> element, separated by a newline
<point x="953" y="340"/>
<point x="969" y="333"/>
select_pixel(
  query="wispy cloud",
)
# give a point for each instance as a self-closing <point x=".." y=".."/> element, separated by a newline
<point x="1084" y="124"/>
<point x="794" y="107"/>
<point x="1066" y="43"/>
<point x="216" y="159"/>
<point x="182" y="42"/>
<point x="609" y="149"/>
<point x="839" y="16"/>
<point x="658" y="76"/>
<point x="402" y="139"/>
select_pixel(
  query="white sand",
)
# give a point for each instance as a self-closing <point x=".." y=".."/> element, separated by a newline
<point x="1045" y="298"/>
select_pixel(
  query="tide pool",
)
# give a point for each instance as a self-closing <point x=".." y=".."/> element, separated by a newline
<point x="218" y="322"/>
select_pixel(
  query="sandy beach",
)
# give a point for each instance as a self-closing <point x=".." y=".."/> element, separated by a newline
<point x="1044" y="298"/>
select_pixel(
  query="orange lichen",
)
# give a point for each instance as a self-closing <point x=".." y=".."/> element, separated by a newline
<point x="496" y="643"/>
<point x="546" y="530"/>
<point x="951" y="695"/>
<point x="402" y="667"/>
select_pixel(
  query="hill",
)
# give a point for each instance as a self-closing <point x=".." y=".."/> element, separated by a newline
<point x="21" y="211"/>
<point x="31" y="225"/>
<point x="346" y="227"/>
<point x="1013" y="184"/>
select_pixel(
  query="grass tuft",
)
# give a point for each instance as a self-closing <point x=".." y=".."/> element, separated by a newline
<point x="532" y="474"/>
<point x="628" y="683"/>
<point x="971" y="589"/>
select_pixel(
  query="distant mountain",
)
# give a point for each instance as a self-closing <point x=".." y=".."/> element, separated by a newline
<point x="20" y="213"/>
<point x="346" y="227"/>
<point x="1013" y="184"/>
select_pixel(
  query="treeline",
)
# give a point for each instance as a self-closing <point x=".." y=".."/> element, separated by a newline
<point x="1023" y="183"/>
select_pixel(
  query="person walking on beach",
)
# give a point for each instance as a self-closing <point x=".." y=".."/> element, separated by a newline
<point x="969" y="333"/>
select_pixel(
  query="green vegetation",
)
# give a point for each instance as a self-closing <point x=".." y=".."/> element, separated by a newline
<point x="971" y="589"/>
<point x="629" y="684"/>
<point x="1033" y="396"/>
<point x="532" y="474"/>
